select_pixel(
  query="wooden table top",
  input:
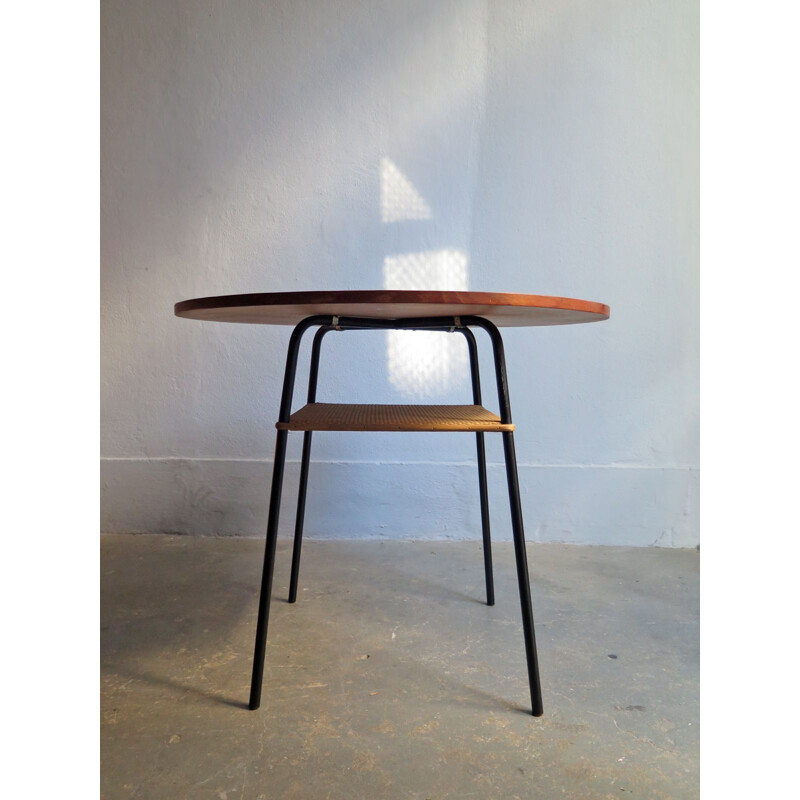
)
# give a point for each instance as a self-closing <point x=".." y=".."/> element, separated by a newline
<point x="288" y="308"/>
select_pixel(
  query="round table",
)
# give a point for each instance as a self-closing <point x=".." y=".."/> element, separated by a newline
<point x="394" y="310"/>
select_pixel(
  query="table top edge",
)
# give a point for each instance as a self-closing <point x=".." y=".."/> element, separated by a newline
<point x="367" y="297"/>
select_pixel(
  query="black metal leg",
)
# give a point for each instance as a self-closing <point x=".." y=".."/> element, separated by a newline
<point x="275" y="507"/>
<point x="301" y="511"/>
<point x="522" y="574"/>
<point x="487" y="537"/>
<point x="483" y="486"/>
<point x="305" y="465"/>
<point x="266" y="575"/>
<point x="516" y="512"/>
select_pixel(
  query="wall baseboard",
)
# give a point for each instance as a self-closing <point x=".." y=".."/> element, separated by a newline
<point x="610" y="505"/>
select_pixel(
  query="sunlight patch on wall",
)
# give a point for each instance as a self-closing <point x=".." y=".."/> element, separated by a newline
<point x="424" y="364"/>
<point x="400" y="200"/>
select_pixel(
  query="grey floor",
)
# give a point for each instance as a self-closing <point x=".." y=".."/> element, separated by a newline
<point x="389" y="678"/>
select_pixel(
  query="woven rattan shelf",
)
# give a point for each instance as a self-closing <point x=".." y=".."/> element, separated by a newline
<point x="358" y="417"/>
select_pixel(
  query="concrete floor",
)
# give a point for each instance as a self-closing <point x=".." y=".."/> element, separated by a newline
<point x="391" y="679"/>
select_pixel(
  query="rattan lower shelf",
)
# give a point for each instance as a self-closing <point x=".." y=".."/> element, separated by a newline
<point x="361" y="417"/>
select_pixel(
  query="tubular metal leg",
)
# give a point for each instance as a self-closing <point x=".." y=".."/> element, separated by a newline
<point x="274" y="508"/>
<point x="299" y="519"/>
<point x="516" y="512"/>
<point x="304" y="466"/>
<point x="522" y="574"/>
<point x="483" y="486"/>
<point x="269" y="566"/>
<point x="487" y="536"/>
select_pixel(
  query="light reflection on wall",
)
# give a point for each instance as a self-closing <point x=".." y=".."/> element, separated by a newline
<point x="400" y="200"/>
<point x="423" y="364"/>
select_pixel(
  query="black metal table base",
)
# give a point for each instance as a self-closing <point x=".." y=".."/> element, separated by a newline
<point x="462" y="325"/>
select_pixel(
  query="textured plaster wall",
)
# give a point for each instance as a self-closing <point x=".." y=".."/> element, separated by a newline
<point x="546" y="147"/>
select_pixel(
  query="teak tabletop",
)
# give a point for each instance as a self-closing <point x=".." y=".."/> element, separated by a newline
<point x="288" y="308"/>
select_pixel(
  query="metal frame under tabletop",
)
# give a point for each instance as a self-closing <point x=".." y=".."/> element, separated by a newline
<point x="462" y="325"/>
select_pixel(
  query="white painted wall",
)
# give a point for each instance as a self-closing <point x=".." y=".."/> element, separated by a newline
<point x="548" y="147"/>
